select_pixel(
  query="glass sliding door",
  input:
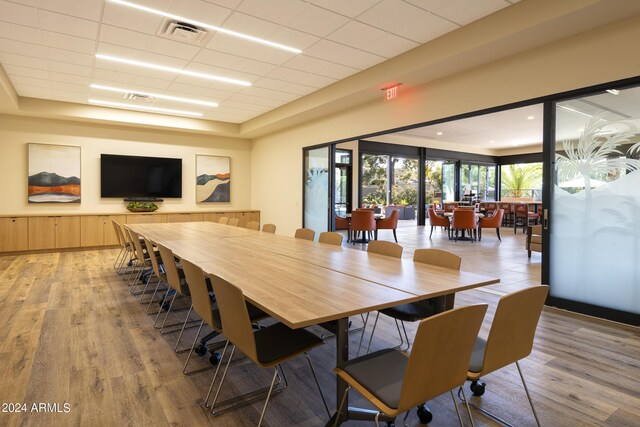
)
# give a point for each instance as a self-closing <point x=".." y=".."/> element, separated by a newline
<point x="594" y="234"/>
<point x="521" y="180"/>
<point x="404" y="186"/>
<point x="375" y="181"/>
<point x="342" y="183"/>
<point x="478" y="181"/>
<point x="449" y="181"/>
<point x="433" y="181"/>
<point x="317" y="164"/>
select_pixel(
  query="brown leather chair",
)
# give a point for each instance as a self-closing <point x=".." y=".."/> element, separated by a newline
<point x="464" y="219"/>
<point x="437" y="221"/>
<point x="508" y="214"/>
<point x="523" y="217"/>
<point x="490" y="206"/>
<point x="390" y="223"/>
<point x="343" y="224"/>
<point x="362" y="220"/>
<point x="494" y="221"/>
<point x="450" y="207"/>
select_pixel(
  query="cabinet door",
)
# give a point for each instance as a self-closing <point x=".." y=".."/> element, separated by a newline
<point x="146" y="218"/>
<point x="67" y="232"/>
<point x="14" y="234"/>
<point x="212" y="216"/>
<point x="243" y="217"/>
<point x="254" y="216"/>
<point x="196" y="217"/>
<point x="42" y="232"/>
<point x="179" y="217"/>
<point x="91" y="230"/>
<point x="110" y="237"/>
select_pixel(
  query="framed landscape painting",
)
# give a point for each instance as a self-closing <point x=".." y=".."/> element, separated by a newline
<point x="213" y="179"/>
<point x="54" y="173"/>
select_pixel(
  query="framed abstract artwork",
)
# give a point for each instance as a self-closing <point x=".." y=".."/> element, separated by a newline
<point x="54" y="173"/>
<point x="213" y="179"/>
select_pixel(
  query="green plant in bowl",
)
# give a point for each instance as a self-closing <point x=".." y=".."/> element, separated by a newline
<point x="141" y="207"/>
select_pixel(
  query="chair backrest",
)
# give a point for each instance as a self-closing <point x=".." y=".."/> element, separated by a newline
<point x="464" y="218"/>
<point x="135" y="239"/>
<point x="233" y="222"/>
<point x="331" y="238"/>
<point x="514" y="326"/>
<point x="521" y="209"/>
<point x="235" y="317"/>
<point x="269" y="228"/>
<point x="437" y="257"/>
<point x="505" y="206"/>
<point x="170" y="268"/>
<point x="437" y="220"/>
<point x="493" y="221"/>
<point x="341" y="223"/>
<point x="389" y="223"/>
<point x="154" y="259"/>
<point x="363" y="220"/>
<point x="305" y="233"/>
<point x="385" y="248"/>
<point x="439" y="359"/>
<point x="253" y="225"/>
<point x="199" y="292"/>
<point x="450" y="207"/>
<point x="223" y="220"/>
<point x="117" y="228"/>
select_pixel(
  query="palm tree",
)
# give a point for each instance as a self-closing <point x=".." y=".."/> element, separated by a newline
<point x="518" y="178"/>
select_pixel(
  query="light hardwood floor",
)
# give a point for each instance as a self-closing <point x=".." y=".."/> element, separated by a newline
<point x="70" y="332"/>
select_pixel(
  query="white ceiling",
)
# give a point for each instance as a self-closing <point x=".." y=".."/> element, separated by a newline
<point x="48" y="47"/>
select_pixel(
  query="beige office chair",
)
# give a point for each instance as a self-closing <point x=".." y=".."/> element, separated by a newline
<point x="141" y="255"/>
<point x="331" y="238"/>
<point x="385" y="248"/>
<point x="253" y="225"/>
<point x="510" y="339"/>
<point x="305" y="233"/>
<point x="269" y="228"/>
<point x="267" y="347"/>
<point x="156" y="261"/>
<point x="177" y="283"/>
<point x="124" y="249"/>
<point x="233" y="222"/>
<point x="395" y="382"/>
<point x="223" y="220"/>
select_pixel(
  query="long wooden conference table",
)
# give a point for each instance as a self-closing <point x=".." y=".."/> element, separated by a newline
<point x="302" y="283"/>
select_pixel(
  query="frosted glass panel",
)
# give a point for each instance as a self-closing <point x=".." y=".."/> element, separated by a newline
<point x="316" y="189"/>
<point x="595" y="227"/>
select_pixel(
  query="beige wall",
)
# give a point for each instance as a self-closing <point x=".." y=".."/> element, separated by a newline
<point x="16" y="132"/>
<point x="600" y="55"/>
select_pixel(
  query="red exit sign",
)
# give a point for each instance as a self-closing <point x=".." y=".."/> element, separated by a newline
<point x="391" y="92"/>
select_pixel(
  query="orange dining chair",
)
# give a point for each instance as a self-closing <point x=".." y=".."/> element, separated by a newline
<point x="507" y="217"/>
<point x="343" y="224"/>
<point x="523" y="217"/>
<point x="450" y="207"/>
<point x="390" y="223"/>
<point x="437" y="221"/>
<point x="464" y="219"/>
<point x="494" y="221"/>
<point x="362" y="221"/>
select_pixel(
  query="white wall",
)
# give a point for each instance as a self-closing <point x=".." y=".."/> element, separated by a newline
<point x="16" y="132"/>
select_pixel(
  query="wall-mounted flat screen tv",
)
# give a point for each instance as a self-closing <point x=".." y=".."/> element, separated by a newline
<point x="135" y="176"/>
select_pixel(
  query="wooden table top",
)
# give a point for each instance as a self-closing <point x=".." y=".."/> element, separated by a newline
<point x="303" y="283"/>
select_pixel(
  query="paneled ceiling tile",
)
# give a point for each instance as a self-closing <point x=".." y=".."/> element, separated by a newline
<point x="68" y="24"/>
<point x="344" y="55"/>
<point x="70" y="87"/>
<point x="157" y="84"/>
<point x="14" y="70"/>
<point x="139" y="55"/>
<point x="200" y="11"/>
<point x="123" y="37"/>
<point x="135" y="71"/>
<point x="68" y="96"/>
<point x="86" y="9"/>
<point x="298" y="89"/>
<point x="31" y="3"/>
<point x="279" y="11"/>
<point x="19" y="14"/>
<point x="223" y="72"/>
<point x="462" y="12"/>
<point x="131" y="19"/>
<point x="317" y="21"/>
<point x="269" y="94"/>
<point x="234" y="46"/>
<point x="316" y="81"/>
<point x="293" y="38"/>
<point x="371" y="39"/>
<point x="243" y="106"/>
<point x="67" y="42"/>
<point x="65" y="67"/>
<point x="406" y="20"/>
<point x="230" y="4"/>
<point x="20" y="48"/>
<point x="23" y="61"/>
<point x="218" y="95"/>
<point x="233" y="62"/>
<point x="172" y="48"/>
<point x="240" y="97"/>
<point x="107" y="77"/>
<point x="70" y="57"/>
<point x="351" y="8"/>
<point x="20" y="32"/>
<point x="208" y="84"/>
<point x="320" y="67"/>
<point x="33" y="92"/>
<point x="269" y="83"/>
<point x="251" y="25"/>
<point x="70" y="78"/>
<point x="28" y="81"/>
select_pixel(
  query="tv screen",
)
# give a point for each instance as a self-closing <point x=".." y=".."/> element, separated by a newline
<point x="134" y="176"/>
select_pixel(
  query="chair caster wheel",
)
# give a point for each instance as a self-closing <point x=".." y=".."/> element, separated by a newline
<point x="424" y="414"/>
<point x="477" y="388"/>
<point x="215" y="359"/>
<point x="201" y="350"/>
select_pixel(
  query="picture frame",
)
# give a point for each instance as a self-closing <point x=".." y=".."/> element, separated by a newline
<point x="54" y="173"/>
<point x="213" y="179"/>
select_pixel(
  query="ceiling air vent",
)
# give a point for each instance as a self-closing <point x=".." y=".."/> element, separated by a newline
<point x="138" y="97"/>
<point x="183" y="32"/>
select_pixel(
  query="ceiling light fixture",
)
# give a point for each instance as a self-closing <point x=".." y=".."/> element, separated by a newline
<point x="154" y="95"/>
<point x="531" y="117"/>
<point x="573" y="110"/>
<point x="207" y="26"/>
<point x="613" y="91"/>
<point x="438" y="133"/>
<point x="143" y="108"/>
<point x="492" y="142"/>
<point x="172" y="70"/>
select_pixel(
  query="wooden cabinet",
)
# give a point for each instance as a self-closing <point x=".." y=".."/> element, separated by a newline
<point x="14" y="234"/>
<point x="213" y="216"/>
<point x="97" y="230"/>
<point x="54" y="232"/>
<point x="146" y="218"/>
<point x="185" y="217"/>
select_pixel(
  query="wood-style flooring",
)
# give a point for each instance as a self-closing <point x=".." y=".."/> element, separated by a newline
<point x="70" y="332"/>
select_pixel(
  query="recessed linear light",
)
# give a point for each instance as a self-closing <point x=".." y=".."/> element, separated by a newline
<point x="143" y="108"/>
<point x="531" y="117"/>
<point x="613" y="91"/>
<point x="172" y="70"/>
<point x="155" y="95"/>
<point x="492" y="142"/>
<point x="207" y="26"/>
<point x="438" y="133"/>
<point x="573" y="110"/>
